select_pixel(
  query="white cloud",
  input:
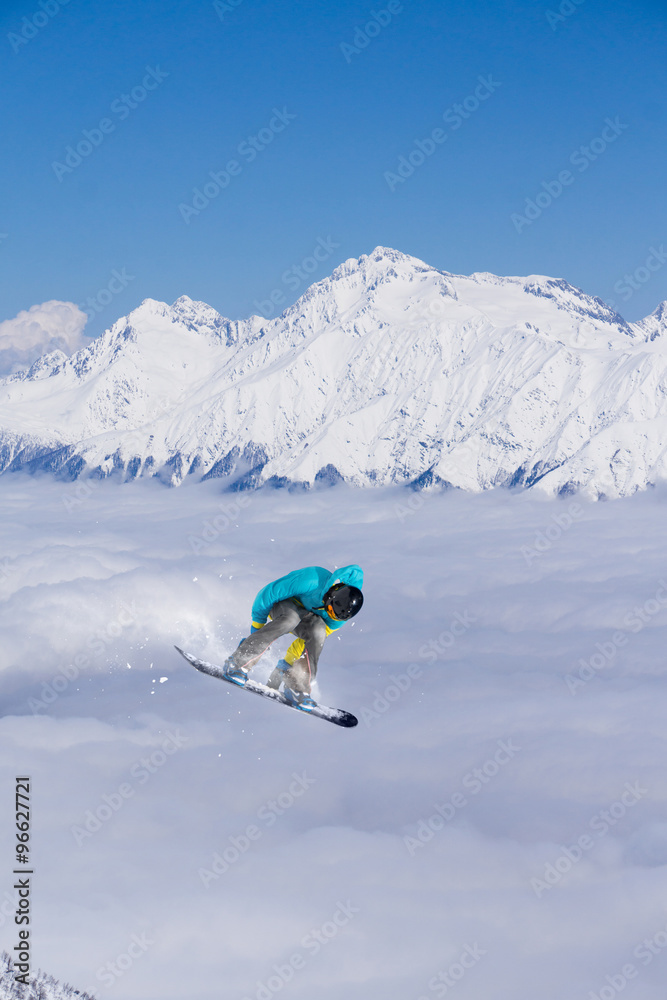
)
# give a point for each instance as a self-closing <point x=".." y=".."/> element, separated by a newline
<point x="39" y="330"/>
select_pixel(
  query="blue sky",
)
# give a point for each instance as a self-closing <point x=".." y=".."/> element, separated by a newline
<point x="219" y="74"/>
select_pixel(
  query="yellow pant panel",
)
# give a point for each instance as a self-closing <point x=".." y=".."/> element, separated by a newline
<point x="295" y="651"/>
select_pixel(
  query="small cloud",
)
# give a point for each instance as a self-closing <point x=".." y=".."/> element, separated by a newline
<point x="39" y="330"/>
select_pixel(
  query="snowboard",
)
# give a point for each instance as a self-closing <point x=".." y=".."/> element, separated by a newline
<point x="336" y="715"/>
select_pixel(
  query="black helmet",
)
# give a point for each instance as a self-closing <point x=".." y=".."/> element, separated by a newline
<point x="342" y="601"/>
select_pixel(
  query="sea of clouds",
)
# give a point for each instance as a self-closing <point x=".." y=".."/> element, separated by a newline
<point x="494" y="828"/>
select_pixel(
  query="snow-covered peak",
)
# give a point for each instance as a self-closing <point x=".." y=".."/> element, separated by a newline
<point x="388" y="370"/>
<point x="550" y="305"/>
<point x="654" y="325"/>
<point x="378" y="263"/>
<point x="44" y="367"/>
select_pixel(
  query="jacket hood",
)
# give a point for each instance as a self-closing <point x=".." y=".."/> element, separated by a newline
<point x="352" y="575"/>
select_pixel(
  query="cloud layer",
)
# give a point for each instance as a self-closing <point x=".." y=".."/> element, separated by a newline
<point x="496" y="821"/>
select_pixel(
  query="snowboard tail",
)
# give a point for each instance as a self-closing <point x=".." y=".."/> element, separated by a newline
<point x="338" y="716"/>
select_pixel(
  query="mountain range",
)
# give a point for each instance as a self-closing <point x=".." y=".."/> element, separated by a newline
<point x="389" y="371"/>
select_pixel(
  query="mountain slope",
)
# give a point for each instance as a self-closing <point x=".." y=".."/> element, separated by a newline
<point x="42" y="986"/>
<point x="388" y="371"/>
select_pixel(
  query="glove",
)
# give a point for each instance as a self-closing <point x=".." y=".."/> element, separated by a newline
<point x="255" y="627"/>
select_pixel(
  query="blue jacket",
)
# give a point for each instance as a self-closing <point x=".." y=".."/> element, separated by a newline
<point x="308" y="586"/>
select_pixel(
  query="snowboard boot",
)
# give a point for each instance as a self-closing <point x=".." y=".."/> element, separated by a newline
<point x="277" y="675"/>
<point x="238" y="675"/>
<point x="298" y="699"/>
<point x="297" y="686"/>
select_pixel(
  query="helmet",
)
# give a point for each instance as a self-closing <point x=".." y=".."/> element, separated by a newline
<point x="342" y="601"/>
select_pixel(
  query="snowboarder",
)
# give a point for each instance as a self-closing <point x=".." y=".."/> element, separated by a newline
<point x="310" y="603"/>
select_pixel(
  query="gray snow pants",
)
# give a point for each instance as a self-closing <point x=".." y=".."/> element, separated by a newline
<point x="287" y="616"/>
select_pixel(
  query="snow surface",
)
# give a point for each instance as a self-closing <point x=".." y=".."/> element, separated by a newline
<point x="119" y="573"/>
<point x="389" y="371"/>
